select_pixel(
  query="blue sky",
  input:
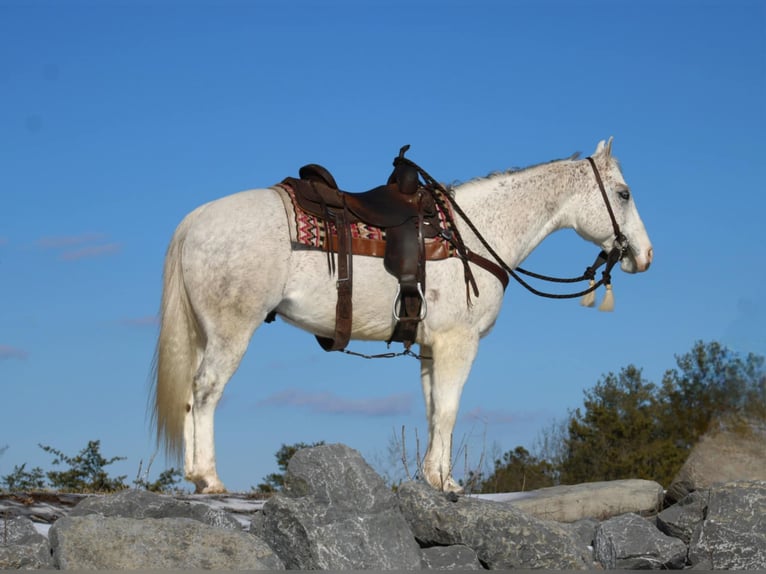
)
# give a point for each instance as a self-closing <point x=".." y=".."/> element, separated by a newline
<point x="118" y="118"/>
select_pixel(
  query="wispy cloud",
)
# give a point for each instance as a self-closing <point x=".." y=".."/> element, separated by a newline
<point x="76" y="247"/>
<point x="147" y="321"/>
<point x="90" y="251"/>
<point x="3" y="241"/>
<point x="491" y="416"/>
<point x="68" y="241"/>
<point x="8" y="352"/>
<point x="329" y="403"/>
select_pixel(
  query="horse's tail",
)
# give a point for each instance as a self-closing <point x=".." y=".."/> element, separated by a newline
<point x="176" y="355"/>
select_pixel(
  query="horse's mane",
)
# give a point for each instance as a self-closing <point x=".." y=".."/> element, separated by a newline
<point x="456" y="183"/>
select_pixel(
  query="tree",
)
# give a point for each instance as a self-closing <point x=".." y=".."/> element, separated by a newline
<point x="86" y="470"/>
<point x="24" y="480"/>
<point x="618" y="434"/>
<point x="275" y="481"/>
<point x="518" y="471"/>
<point x="630" y="428"/>
<point x="712" y="386"/>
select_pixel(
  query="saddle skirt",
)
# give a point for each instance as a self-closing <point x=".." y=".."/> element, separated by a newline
<point x="307" y="231"/>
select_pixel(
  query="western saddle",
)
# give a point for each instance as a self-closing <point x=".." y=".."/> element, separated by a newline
<point x="407" y="211"/>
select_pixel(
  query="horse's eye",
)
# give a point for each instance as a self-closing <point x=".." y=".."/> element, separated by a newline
<point x="624" y="194"/>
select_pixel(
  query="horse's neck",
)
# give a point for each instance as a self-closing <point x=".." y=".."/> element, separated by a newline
<point x="515" y="211"/>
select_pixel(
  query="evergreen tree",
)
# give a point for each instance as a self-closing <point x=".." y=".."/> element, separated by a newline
<point x="517" y="471"/>
<point x="275" y="481"/>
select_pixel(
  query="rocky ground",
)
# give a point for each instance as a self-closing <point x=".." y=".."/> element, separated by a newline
<point x="338" y="514"/>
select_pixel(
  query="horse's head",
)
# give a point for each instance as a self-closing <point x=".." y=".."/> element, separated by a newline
<point x="596" y="224"/>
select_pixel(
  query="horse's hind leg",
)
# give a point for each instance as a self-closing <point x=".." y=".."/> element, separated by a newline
<point x="220" y="361"/>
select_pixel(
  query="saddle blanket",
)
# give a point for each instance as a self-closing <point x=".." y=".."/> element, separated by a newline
<point x="309" y="232"/>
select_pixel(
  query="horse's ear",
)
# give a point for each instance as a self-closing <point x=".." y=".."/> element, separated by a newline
<point x="604" y="147"/>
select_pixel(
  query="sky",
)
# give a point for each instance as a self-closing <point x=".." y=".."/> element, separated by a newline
<point x="118" y="118"/>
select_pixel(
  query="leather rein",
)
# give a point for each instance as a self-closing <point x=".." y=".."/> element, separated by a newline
<point x="609" y="259"/>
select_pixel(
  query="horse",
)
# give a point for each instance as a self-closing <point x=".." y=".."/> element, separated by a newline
<point x="232" y="264"/>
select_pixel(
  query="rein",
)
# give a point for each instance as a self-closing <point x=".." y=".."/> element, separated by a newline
<point x="610" y="259"/>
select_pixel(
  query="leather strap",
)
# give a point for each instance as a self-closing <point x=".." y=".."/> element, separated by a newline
<point x="490" y="266"/>
<point x="344" y="305"/>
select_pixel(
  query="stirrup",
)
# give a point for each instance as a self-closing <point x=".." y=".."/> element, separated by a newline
<point x="398" y="297"/>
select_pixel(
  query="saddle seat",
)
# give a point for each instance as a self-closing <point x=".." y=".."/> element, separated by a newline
<point x="385" y="206"/>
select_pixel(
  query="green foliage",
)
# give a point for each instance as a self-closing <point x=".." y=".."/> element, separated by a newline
<point x="712" y="386"/>
<point x="517" y="471"/>
<point x="86" y="470"/>
<point x="629" y="427"/>
<point x="619" y="433"/>
<point x="275" y="481"/>
<point x="166" y="482"/>
<point x="22" y="479"/>
<point x="86" y="473"/>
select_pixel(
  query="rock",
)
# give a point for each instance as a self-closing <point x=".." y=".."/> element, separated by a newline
<point x="629" y="542"/>
<point x="336" y="513"/>
<point x="568" y="503"/>
<point x="457" y="557"/>
<point x="724" y="455"/>
<point x="116" y="543"/>
<point x="502" y="536"/>
<point x="143" y="504"/>
<point x="681" y="519"/>
<point x="585" y="530"/>
<point x="22" y="547"/>
<point x="41" y="507"/>
<point x="733" y="534"/>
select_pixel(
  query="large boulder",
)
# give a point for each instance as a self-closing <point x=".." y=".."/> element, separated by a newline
<point x="22" y="547"/>
<point x="569" y="503"/>
<point x="115" y="543"/>
<point x="630" y="542"/>
<point x="457" y="557"/>
<point x="683" y="518"/>
<point x="725" y="454"/>
<point x="336" y="513"/>
<point x="141" y="504"/>
<point x="502" y="536"/>
<point x="733" y="534"/>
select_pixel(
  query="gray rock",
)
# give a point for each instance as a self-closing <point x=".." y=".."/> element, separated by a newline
<point x="501" y="536"/>
<point x="629" y="542"/>
<point x="722" y="455"/>
<point x="585" y="530"/>
<point x="457" y="557"/>
<point x="568" y="503"/>
<point x="733" y="535"/>
<point x="681" y="519"/>
<point x="336" y="513"/>
<point x="115" y="543"/>
<point x="22" y="547"/>
<point x="143" y="504"/>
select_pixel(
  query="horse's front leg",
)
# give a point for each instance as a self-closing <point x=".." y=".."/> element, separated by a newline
<point x="443" y="377"/>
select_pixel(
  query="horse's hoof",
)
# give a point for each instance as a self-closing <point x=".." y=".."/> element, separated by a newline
<point x="202" y="486"/>
<point x="220" y="489"/>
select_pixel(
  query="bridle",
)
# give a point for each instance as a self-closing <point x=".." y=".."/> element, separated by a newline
<point x="617" y="253"/>
<point x="610" y="259"/>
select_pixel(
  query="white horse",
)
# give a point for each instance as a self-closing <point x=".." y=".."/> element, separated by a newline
<point x="231" y="263"/>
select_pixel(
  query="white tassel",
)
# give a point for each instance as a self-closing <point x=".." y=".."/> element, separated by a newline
<point x="608" y="303"/>
<point x="589" y="299"/>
